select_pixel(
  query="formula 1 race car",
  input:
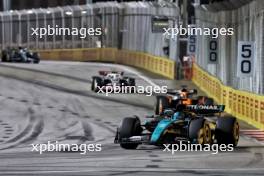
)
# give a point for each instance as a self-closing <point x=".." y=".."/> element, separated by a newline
<point x="197" y="124"/>
<point x="111" y="78"/>
<point x="20" y="55"/>
<point x="182" y="96"/>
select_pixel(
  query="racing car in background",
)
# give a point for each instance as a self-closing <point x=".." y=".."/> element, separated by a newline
<point x="198" y="124"/>
<point x="182" y="96"/>
<point x="22" y="55"/>
<point x="111" y="78"/>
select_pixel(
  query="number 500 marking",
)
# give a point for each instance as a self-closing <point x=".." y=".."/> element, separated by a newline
<point x="245" y="58"/>
<point x="245" y="54"/>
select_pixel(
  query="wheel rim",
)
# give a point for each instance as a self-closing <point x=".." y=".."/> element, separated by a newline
<point x="200" y="135"/>
<point x="207" y="134"/>
<point x="236" y="133"/>
<point x="204" y="135"/>
<point x="160" y="107"/>
<point x="95" y="84"/>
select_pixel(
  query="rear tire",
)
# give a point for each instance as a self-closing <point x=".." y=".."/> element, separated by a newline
<point x="227" y="131"/>
<point x="131" y="82"/>
<point x="162" y="103"/>
<point x="35" y="58"/>
<point x="130" y="126"/>
<point x="36" y="61"/>
<point x="127" y="81"/>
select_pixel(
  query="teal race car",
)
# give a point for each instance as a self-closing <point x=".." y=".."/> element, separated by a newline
<point x="201" y="124"/>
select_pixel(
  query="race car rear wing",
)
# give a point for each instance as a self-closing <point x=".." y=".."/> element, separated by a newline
<point x="175" y="91"/>
<point x="104" y="73"/>
<point x="205" y="109"/>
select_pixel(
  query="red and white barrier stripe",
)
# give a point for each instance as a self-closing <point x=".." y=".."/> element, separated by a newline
<point x="257" y="134"/>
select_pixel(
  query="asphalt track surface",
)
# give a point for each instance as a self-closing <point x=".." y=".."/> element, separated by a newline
<point x="52" y="101"/>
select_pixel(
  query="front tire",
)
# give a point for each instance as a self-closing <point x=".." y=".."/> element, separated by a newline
<point x="5" y="56"/>
<point x="96" y="83"/>
<point x="130" y="126"/>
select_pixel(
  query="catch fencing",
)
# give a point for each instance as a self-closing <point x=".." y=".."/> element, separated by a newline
<point x="124" y="26"/>
<point x="248" y="23"/>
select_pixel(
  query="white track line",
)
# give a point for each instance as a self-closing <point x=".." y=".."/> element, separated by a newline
<point x="122" y="67"/>
<point x="129" y="69"/>
<point x="138" y="170"/>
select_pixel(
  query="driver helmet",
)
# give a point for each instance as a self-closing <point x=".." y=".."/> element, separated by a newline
<point x="168" y="113"/>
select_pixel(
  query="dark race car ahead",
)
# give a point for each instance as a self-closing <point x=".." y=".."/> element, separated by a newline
<point x="20" y="55"/>
<point x="112" y="79"/>
<point x="182" y="96"/>
<point x="197" y="124"/>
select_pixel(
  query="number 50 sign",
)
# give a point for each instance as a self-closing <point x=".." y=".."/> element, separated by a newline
<point x="245" y="59"/>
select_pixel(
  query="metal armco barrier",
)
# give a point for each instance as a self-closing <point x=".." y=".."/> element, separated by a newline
<point x="241" y="104"/>
<point x="155" y="64"/>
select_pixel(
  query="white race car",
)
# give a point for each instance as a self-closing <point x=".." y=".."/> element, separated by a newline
<point x="111" y="78"/>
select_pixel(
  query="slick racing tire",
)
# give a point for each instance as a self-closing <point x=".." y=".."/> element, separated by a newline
<point x="127" y="81"/>
<point x="35" y="58"/>
<point x="200" y="132"/>
<point x="130" y="126"/>
<point x="35" y="61"/>
<point x="161" y="104"/>
<point x="96" y="83"/>
<point x="131" y="82"/>
<point x="5" y="56"/>
<point x="227" y="131"/>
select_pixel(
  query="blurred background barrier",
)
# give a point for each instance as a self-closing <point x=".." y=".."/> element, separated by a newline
<point x="129" y="26"/>
<point x="155" y="64"/>
<point x="248" y="23"/>
<point x="127" y="33"/>
<point x="124" y="26"/>
<point x="89" y="54"/>
<point x="241" y="104"/>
